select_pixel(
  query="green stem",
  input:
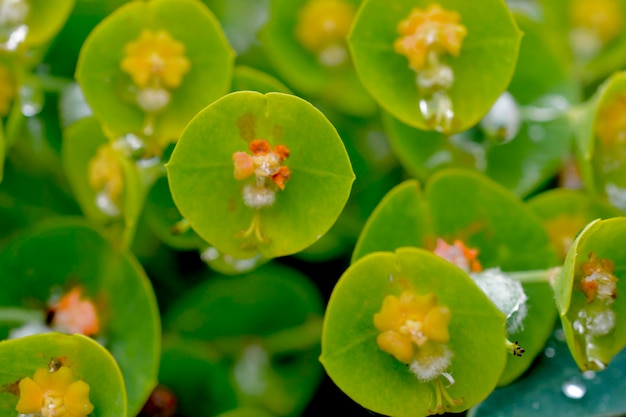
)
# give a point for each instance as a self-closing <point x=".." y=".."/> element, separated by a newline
<point x="50" y="83"/>
<point x="295" y="339"/>
<point x="536" y="276"/>
<point x="18" y="315"/>
<point x="15" y="123"/>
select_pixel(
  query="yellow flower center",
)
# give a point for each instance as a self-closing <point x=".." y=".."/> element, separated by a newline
<point x="105" y="173"/>
<point x="155" y="59"/>
<point x="7" y="90"/>
<point x="54" y="394"/>
<point x="322" y="28"/>
<point x="459" y="254"/>
<point x="409" y="322"/>
<point x="603" y="18"/>
<point x="426" y="32"/>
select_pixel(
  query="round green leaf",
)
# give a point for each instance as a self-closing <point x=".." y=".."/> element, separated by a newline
<point x="592" y="335"/>
<point x="482" y="70"/>
<point x="193" y="371"/>
<point x="202" y="165"/>
<point x="68" y="254"/>
<point x="265" y="326"/>
<point x="338" y="86"/>
<point x="87" y="359"/>
<point x="106" y="86"/>
<point x="565" y="212"/>
<point x="375" y="379"/>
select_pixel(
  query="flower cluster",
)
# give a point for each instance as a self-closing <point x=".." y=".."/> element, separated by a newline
<point x="598" y="280"/>
<point x="322" y="28"/>
<point x="74" y="313"/>
<point x="414" y="329"/>
<point x="54" y="393"/>
<point x="428" y="34"/>
<point x="105" y="175"/>
<point x="156" y="63"/>
<point x="265" y="164"/>
<point x="459" y="254"/>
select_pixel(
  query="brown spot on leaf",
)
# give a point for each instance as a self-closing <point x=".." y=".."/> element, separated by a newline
<point x="11" y="388"/>
<point x="247" y="126"/>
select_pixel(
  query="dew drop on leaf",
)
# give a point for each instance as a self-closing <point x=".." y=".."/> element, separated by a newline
<point x="574" y="388"/>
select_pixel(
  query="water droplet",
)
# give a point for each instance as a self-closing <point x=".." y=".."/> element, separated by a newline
<point x="574" y="388"/>
<point x="535" y="405"/>
<point x="73" y="105"/>
<point x="503" y="120"/>
<point x="550" y="352"/>
<point x="546" y="108"/>
<point x="106" y="205"/>
<point x="31" y="100"/>
<point x="559" y="335"/>
<point x="589" y="375"/>
<point x="437" y="111"/>
<point x="616" y="195"/>
<point x="14" y="38"/>
<point x="506" y="293"/>
<point x="333" y="56"/>
<point x="243" y="265"/>
<point x="130" y="145"/>
<point x="250" y="370"/>
<point x="209" y="254"/>
<point x="536" y="133"/>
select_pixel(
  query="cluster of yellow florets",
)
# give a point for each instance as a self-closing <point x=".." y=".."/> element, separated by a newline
<point x="156" y="63"/>
<point x="54" y="393"/>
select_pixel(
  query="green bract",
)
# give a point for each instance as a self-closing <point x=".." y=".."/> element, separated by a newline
<point x="111" y="92"/>
<point x="481" y="71"/>
<point x="492" y="220"/>
<point x="122" y="296"/>
<point x="208" y="195"/>
<point x="593" y="322"/>
<point x="326" y="74"/>
<point x="378" y="381"/>
<point x="523" y="140"/>
<point x="83" y="140"/>
<point x="600" y="153"/>
<point x="87" y="359"/>
<point x="264" y="327"/>
<point x="42" y="20"/>
<point x="566" y="212"/>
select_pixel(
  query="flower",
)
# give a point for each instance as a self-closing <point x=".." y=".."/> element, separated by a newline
<point x="603" y="18"/>
<point x="155" y="59"/>
<point x="7" y="90"/>
<point x="407" y="323"/>
<point x="323" y="26"/>
<point x="105" y="172"/>
<point x="264" y="163"/>
<point x="459" y="254"/>
<point x="432" y="30"/>
<point x="598" y="280"/>
<point x="75" y="314"/>
<point x="54" y="394"/>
